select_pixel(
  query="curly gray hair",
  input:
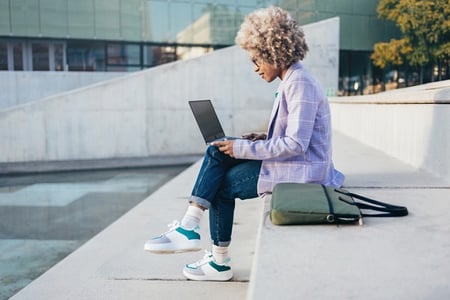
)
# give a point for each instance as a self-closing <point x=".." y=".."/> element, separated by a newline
<point x="271" y="35"/>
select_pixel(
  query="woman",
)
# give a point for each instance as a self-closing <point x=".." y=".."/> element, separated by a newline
<point x="296" y="148"/>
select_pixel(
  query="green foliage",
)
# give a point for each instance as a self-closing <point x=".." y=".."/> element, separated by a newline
<point x="425" y="25"/>
<point x="393" y="52"/>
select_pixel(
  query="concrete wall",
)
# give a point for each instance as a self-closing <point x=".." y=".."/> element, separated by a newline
<point x="22" y="87"/>
<point x="138" y="115"/>
<point x="411" y="124"/>
<point x="323" y="58"/>
<point x="146" y="113"/>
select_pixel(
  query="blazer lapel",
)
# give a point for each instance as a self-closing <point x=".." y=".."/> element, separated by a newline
<point x="273" y="116"/>
<point x="276" y="105"/>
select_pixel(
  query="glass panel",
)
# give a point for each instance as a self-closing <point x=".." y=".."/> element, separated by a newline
<point x="359" y="36"/>
<point x="155" y="55"/>
<point x="114" y="55"/>
<point x="253" y="3"/>
<point x="289" y="5"/>
<point x="132" y="21"/>
<point x="81" y="18"/>
<point x="217" y="24"/>
<point x="308" y="5"/>
<point x="241" y="12"/>
<point x="328" y="5"/>
<point x="121" y="54"/>
<point x="4" y="17"/>
<point x="164" y="54"/>
<point x="228" y="1"/>
<point x="205" y="1"/>
<point x="159" y="21"/>
<point x="180" y="21"/>
<point x="107" y="19"/>
<point x="344" y="6"/>
<point x="272" y="2"/>
<point x="18" y="56"/>
<point x="345" y="36"/>
<point x="53" y="18"/>
<point x="59" y="57"/>
<point x="355" y="74"/>
<point x="133" y="54"/>
<point x="3" y="56"/>
<point x="191" y="52"/>
<point x="148" y="56"/>
<point x="224" y="25"/>
<point x="25" y="17"/>
<point x="368" y="8"/>
<point x="40" y="57"/>
<point x="201" y="27"/>
<point x="86" y="57"/>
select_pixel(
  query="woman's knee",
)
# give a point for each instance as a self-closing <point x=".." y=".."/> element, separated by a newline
<point x="212" y="151"/>
<point x="240" y="182"/>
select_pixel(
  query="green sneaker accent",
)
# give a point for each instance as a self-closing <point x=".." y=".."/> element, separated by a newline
<point x="219" y="268"/>
<point x="190" y="234"/>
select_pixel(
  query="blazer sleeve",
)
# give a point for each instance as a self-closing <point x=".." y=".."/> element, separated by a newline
<point x="293" y="125"/>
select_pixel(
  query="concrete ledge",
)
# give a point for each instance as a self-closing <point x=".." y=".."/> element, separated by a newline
<point x="399" y="258"/>
<point x="410" y="124"/>
<point x="430" y="93"/>
<point x="390" y="258"/>
<point x="96" y="164"/>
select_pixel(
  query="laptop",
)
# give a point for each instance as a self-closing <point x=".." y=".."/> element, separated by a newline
<point x="207" y="121"/>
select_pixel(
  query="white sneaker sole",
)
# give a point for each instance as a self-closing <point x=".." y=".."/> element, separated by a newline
<point x="222" y="276"/>
<point x="167" y="249"/>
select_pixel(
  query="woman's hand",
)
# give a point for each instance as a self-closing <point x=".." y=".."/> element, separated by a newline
<point x="255" y="136"/>
<point x="225" y="147"/>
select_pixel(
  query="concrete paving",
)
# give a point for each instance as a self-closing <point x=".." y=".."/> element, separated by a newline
<point x="46" y="216"/>
<point x="386" y="258"/>
<point x="113" y="265"/>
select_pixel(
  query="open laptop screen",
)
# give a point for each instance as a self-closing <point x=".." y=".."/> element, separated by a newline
<point x="207" y="120"/>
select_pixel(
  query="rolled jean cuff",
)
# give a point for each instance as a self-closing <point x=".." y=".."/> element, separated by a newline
<point x="200" y="201"/>
<point x="221" y="244"/>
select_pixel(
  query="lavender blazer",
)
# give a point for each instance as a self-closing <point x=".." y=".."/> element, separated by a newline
<point x="298" y="144"/>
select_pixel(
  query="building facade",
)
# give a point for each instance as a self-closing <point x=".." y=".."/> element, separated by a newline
<point x="130" y="35"/>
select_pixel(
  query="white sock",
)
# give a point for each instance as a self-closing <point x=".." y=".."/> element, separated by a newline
<point x="192" y="217"/>
<point x="220" y="254"/>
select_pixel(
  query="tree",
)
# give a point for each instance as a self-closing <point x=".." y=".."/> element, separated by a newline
<point x="425" y="25"/>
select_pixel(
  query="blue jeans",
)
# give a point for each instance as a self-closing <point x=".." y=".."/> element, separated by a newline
<point x="222" y="179"/>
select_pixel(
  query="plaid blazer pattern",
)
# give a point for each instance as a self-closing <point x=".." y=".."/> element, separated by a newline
<point x="298" y="145"/>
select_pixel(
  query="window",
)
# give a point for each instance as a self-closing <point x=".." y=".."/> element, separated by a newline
<point x="86" y="56"/>
<point x="3" y="56"/>
<point x="40" y="54"/>
<point x="58" y="57"/>
<point x="122" y="54"/>
<point x="18" y="56"/>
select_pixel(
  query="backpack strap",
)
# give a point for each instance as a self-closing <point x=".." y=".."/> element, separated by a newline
<point x="388" y="210"/>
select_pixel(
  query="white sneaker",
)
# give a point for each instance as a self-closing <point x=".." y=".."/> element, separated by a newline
<point x="208" y="269"/>
<point x="177" y="239"/>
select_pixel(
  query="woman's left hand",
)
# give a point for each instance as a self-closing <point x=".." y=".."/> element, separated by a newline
<point x="225" y="147"/>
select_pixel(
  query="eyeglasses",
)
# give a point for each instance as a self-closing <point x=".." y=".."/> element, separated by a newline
<point x="255" y="62"/>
